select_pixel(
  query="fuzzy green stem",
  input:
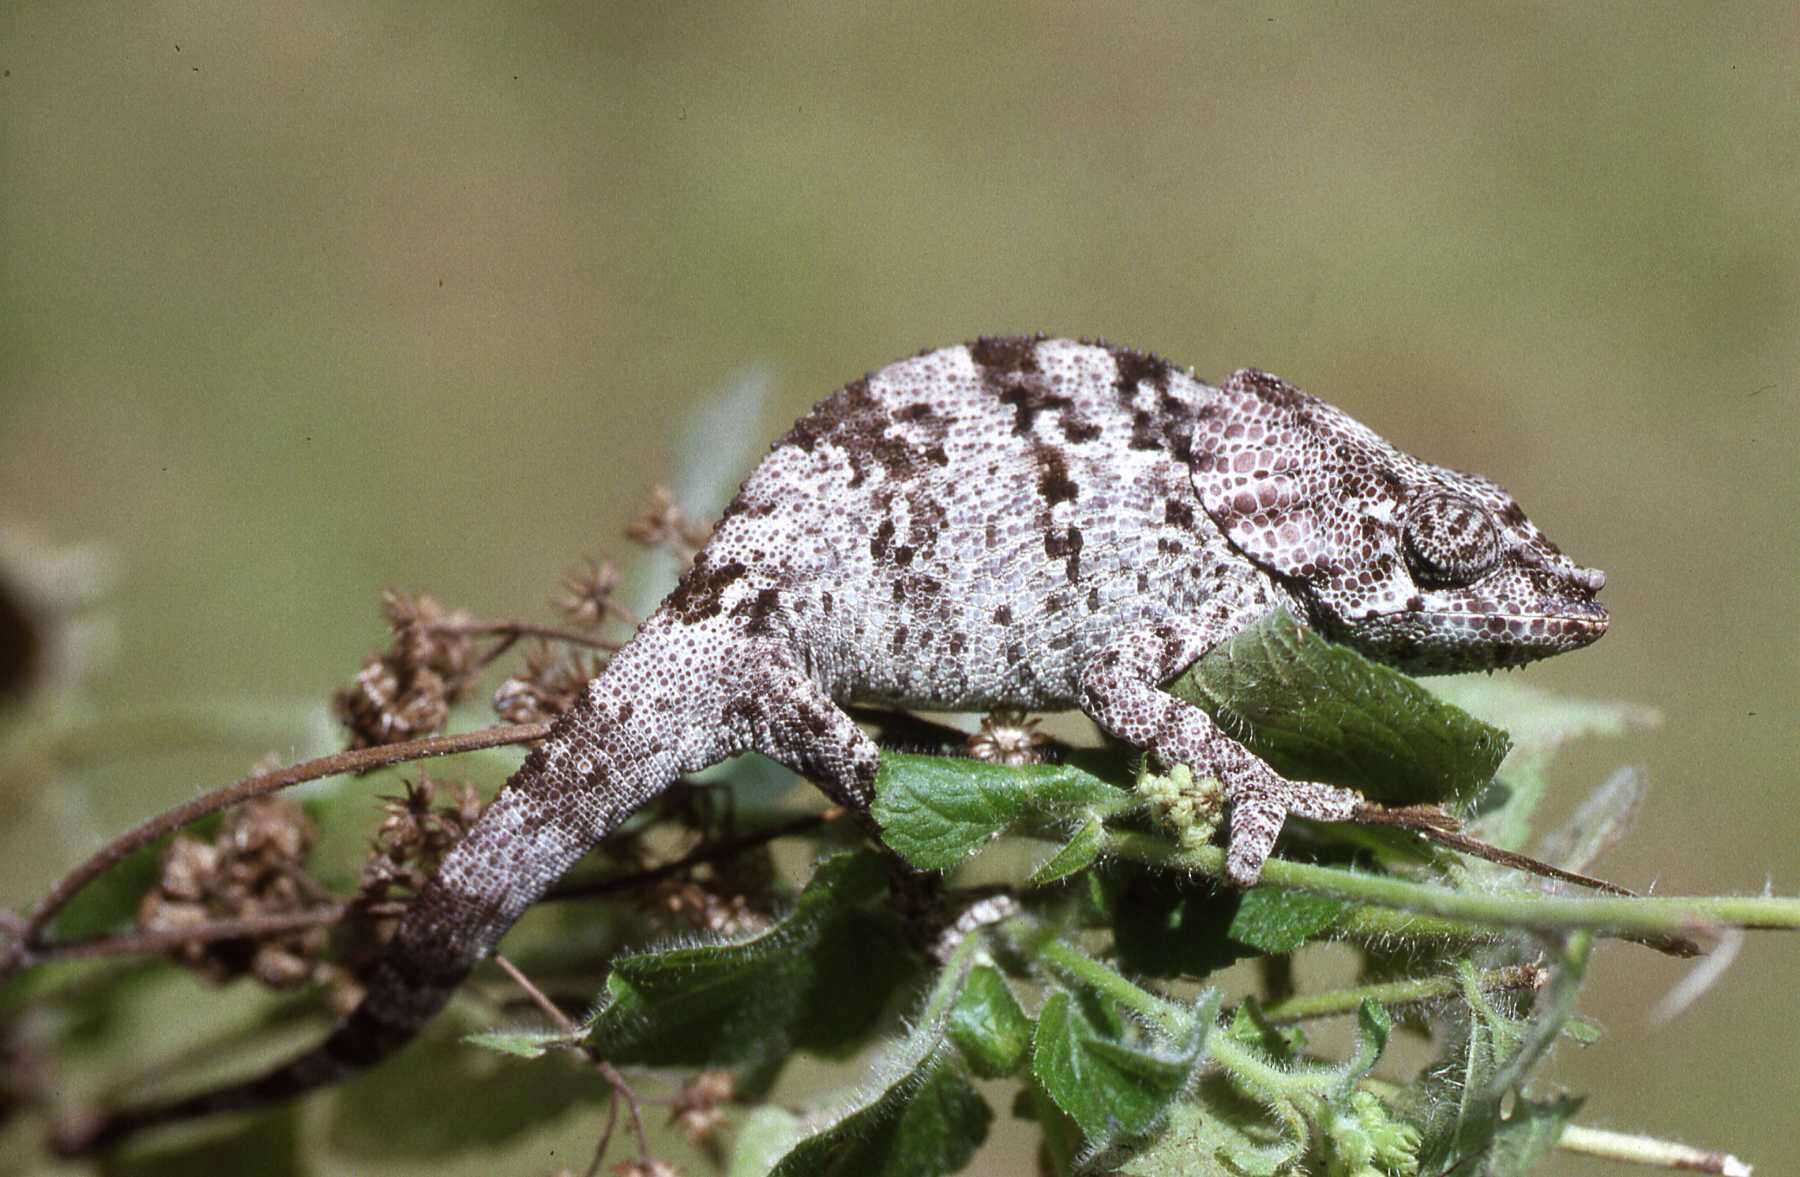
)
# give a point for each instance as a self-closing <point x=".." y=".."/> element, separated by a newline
<point x="1341" y="1002"/>
<point x="1167" y="1016"/>
<point x="1659" y="917"/>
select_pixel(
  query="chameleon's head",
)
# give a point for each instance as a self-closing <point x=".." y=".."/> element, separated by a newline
<point x="1418" y="566"/>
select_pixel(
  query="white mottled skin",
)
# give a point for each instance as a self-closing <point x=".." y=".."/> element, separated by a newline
<point x="1042" y="524"/>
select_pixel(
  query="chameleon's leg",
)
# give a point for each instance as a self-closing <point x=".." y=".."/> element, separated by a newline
<point x="791" y="720"/>
<point x="1120" y="692"/>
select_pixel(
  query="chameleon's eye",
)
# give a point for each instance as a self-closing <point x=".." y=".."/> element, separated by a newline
<point x="1450" y="540"/>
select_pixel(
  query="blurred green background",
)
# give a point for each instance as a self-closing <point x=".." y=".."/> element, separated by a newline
<point x="300" y="301"/>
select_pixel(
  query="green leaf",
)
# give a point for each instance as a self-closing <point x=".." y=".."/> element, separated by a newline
<point x="1113" y="1083"/>
<point x="818" y="977"/>
<point x="766" y="1135"/>
<point x="924" y="1119"/>
<point x="523" y="1043"/>
<point x="1528" y="1135"/>
<point x="935" y="811"/>
<point x="1269" y="919"/>
<point x="988" y="1025"/>
<point x="1458" y="1101"/>
<point x="916" y="1116"/>
<point x="1077" y="854"/>
<point x="1316" y="710"/>
<point x="1373" y="1025"/>
<point x="1218" y="1131"/>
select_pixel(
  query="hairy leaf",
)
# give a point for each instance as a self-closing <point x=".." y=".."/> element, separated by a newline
<point x="916" y="1116"/>
<point x="1113" y="1082"/>
<point x="936" y="810"/>
<point x="522" y="1043"/>
<point x="1316" y="710"/>
<point x="1528" y="1134"/>
<point x="1272" y="920"/>
<point x="1077" y="854"/>
<point x="1216" y="1132"/>
<point x="1459" y="1102"/>
<point x="989" y="1026"/>
<point x="749" y="1000"/>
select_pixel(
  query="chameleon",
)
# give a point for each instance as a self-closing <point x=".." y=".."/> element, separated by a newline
<point x="1018" y="522"/>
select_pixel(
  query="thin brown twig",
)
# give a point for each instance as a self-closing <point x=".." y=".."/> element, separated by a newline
<point x="1440" y="827"/>
<point x="612" y="1121"/>
<point x="162" y="940"/>
<point x="538" y="997"/>
<point x="514" y="630"/>
<point x="257" y="785"/>
<point x="621" y="1089"/>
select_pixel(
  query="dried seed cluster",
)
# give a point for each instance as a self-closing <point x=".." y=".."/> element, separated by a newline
<point x="697" y="1107"/>
<point x="586" y="598"/>
<point x="415" y="836"/>
<point x="666" y="525"/>
<point x="1008" y="737"/>
<point x="255" y="867"/>
<point x="552" y="680"/>
<point x="406" y="692"/>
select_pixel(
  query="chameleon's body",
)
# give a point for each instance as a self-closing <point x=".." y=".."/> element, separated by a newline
<point x="1026" y="523"/>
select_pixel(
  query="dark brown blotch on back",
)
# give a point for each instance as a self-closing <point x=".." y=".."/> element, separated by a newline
<point x="1136" y="367"/>
<point x="884" y="538"/>
<point x="697" y="596"/>
<point x="758" y="611"/>
<point x="1065" y="546"/>
<point x="855" y="421"/>
<point x="1054" y="483"/>
<point x="1006" y="353"/>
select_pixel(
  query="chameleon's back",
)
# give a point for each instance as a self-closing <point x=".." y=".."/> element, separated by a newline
<point x="956" y="528"/>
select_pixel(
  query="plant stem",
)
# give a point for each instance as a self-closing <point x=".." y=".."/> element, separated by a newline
<point x="1647" y="1150"/>
<point x="260" y="784"/>
<point x="1169" y="1017"/>
<point x="1339" y="1002"/>
<point x="1668" y="921"/>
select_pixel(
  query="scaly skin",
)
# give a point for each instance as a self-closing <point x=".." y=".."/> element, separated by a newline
<point x="1041" y="524"/>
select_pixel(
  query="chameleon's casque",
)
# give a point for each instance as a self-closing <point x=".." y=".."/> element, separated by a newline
<point x="1035" y="523"/>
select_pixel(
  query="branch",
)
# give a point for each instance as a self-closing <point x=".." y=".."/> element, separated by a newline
<point x="260" y="784"/>
<point x="1340" y="1002"/>
<point x="1663" y="922"/>
<point x="1647" y="1150"/>
<point x="510" y="632"/>
<point x="1440" y="827"/>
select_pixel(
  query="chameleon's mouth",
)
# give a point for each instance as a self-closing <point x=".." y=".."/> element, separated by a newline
<point x="1456" y="639"/>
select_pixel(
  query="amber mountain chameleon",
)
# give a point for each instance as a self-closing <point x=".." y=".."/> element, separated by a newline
<point x="1027" y="523"/>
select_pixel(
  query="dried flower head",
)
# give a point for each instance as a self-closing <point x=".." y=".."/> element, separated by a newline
<point x="253" y="868"/>
<point x="553" y="679"/>
<point x="586" y="597"/>
<point x="707" y="907"/>
<point x="406" y="693"/>
<point x="647" y="1167"/>
<point x="696" y="1109"/>
<point x="665" y="525"/>
<point x="1007" y="737"/>
<point x="416" y="834"/>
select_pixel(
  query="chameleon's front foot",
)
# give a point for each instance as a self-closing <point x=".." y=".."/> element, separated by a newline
<point x="1261" y="801"/>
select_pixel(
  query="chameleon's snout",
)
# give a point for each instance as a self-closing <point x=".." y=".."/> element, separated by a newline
<point x="1593" y="580"/>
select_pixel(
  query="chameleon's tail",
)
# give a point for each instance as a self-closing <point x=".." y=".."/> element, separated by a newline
<point x="591" y="773"/>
